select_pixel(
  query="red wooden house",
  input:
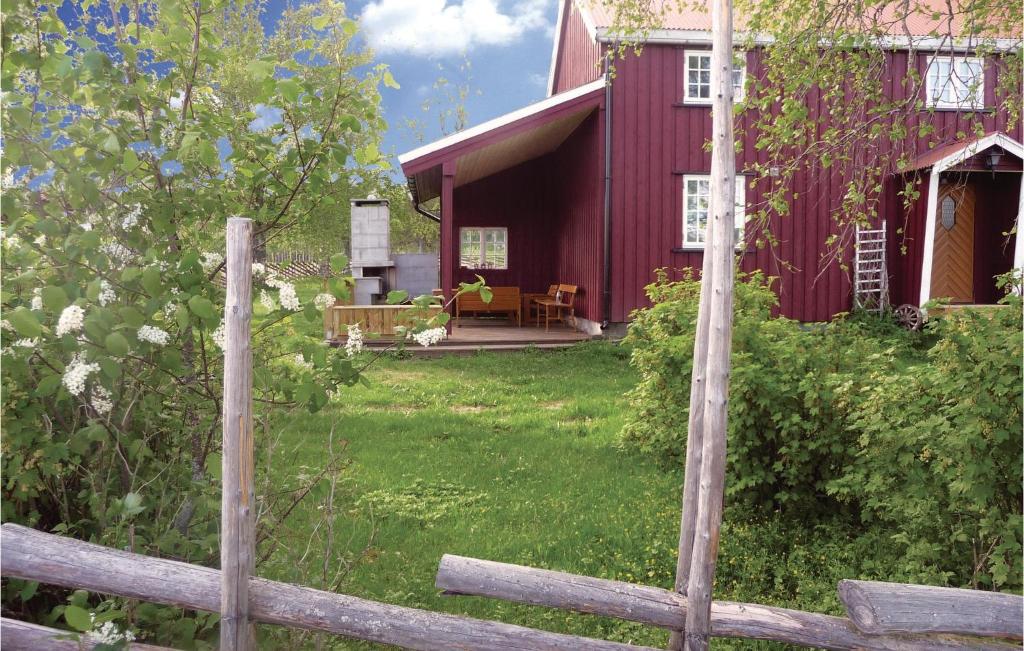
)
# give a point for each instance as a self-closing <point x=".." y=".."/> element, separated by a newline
<point x="602" y="183"/>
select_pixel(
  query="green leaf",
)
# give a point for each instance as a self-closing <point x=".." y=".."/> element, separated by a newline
<point x="339" y="261"/>
<point x="486" y="294"/>
<point x="132" y="317"/>
<point x="397" y="296"/>
<point x="54" y="298"/>
<point x="78" y="618"/>
<point x="260" y="70"/>
<point x="389" y="80"/>
<point x="202" y="307"/>
<point x="117" y="344"/>
<point x="26" y="323"/>
<point x="111" y="144"/>
<point x="289" y="89"/>
<point x="130" y="161"/>
<point x="151" y="281"/>
<point x="47" y="386"/>
<point x="132" y="504"/>
<point x="321" y="22"/>
<point x="29" y="590"/>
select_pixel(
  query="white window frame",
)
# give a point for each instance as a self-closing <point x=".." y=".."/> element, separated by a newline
<point x="954" y="82"/>
<point x="483" y="231"/>
<point x="739" y="66"/>
<point x="740" y="208"/>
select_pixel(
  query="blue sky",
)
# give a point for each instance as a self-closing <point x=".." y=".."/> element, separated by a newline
<point x="507" y="43"/>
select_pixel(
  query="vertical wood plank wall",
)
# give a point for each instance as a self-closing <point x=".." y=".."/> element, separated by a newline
<point x="656" y="139"/>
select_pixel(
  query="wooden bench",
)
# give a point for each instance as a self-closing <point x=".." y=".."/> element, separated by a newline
<point x="503" y="300"/>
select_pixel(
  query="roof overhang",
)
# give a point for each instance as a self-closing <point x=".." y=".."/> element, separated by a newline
<point x="501" y="143"/>
<point x="951" y="155"/>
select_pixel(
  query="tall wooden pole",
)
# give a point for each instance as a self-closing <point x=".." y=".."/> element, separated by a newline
<point x="723" y="193"/>
<point x="694" y="430"/>
<point x="237" y="544"/>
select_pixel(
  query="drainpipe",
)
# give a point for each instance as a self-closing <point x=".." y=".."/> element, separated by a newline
<point x="607" y="197"/>
<point x="426" y="213"/>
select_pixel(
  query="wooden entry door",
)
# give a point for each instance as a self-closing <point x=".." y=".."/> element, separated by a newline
<point x="953" y="255"/>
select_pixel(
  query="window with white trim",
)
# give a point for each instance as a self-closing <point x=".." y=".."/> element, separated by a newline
<point x="697" y="207"/>
<point x="483" y="248"/>
<point x="697" y="77"/>
<point x="956" y="82"/>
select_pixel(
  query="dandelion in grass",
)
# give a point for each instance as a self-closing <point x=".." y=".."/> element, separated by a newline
<point x="71" y="320"/>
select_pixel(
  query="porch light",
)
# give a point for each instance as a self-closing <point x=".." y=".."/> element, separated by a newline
<point x="993" y="157"/>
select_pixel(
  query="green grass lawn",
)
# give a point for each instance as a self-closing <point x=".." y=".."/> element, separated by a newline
<point x="514" y="457"/>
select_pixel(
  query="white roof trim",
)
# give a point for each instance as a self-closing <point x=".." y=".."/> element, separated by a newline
<point x="554" y="49"/>
<point x="588" y="20"/>
<point x="972" y="148"/>
<point x="501" y="121"/>
<point x="923" y="43"/>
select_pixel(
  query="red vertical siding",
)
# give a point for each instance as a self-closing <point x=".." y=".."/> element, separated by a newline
<point x="578" y="59"/>
<point x="552" y="207"/>
<point x="514" y="199"/>
<point x="575" y="182"/>
<point x="656" y="139"/>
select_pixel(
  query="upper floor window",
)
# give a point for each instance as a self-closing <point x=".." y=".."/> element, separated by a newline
<point x="697" y="71"/>
<point x="697" y="207"/>
<point x="956" y="82"/>
<point x="483" y="248"/>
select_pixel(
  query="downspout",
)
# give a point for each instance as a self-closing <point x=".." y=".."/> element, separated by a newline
<point x="607" y="197"/>
<point x="411" y="182"/>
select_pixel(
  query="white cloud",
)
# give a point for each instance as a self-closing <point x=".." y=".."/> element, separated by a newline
<point x="437" y="28"/>
<point x="538" y="79"/>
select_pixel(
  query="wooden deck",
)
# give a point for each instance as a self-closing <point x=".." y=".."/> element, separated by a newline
<point x="471" y="335"/>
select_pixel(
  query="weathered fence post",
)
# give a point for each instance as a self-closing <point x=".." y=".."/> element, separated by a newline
<point x="722" y="249"/>
<point x="237" y="545"/>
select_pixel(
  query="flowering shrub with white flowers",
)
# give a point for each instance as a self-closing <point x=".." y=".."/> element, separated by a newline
<point x="121" y="162"/>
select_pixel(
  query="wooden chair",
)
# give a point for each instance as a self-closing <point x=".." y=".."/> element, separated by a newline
<point x="562" y="302"/>
<point x="531" y="308"/>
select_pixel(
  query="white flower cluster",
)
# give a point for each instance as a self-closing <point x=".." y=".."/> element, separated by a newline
<point x="71" y="320"/>
<point x="40" y="241"/>
<point x="6" y="325"/>
<point x="258" y="269"/>
<point x="110" y="634"/>
<point x="210" y="260"/>
<point x="289" y="299"/>
<point x="323" y="301"/>
<point x="107" y="295"/>
<point x="354" y="343"/>
<point x="430" y="336"/>
<point x="37" y="299"/>
<point x="76" y="373"/>
<point x="266" y="301"/>
<point x="132" y="218"/>
<point x="301" y="362"/>
<point x="154" y="335"/>
<point x="26" y="343"/>
<point x="117" y="252"/>
<point x="100" y="400"/>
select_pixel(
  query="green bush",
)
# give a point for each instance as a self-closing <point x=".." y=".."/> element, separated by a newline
<point x="914" y="434"/>
<point x="938" y="451"/>
<point x="786" y="438"/>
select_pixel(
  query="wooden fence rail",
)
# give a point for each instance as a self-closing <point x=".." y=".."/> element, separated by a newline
<point x="459" y="575"/>
<point x="877" y="607"/>
<point x="38" y="556"/>
<point x="22" y="636"/>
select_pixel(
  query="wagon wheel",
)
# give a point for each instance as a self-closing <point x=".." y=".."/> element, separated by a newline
<point x="909" y="316"/>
